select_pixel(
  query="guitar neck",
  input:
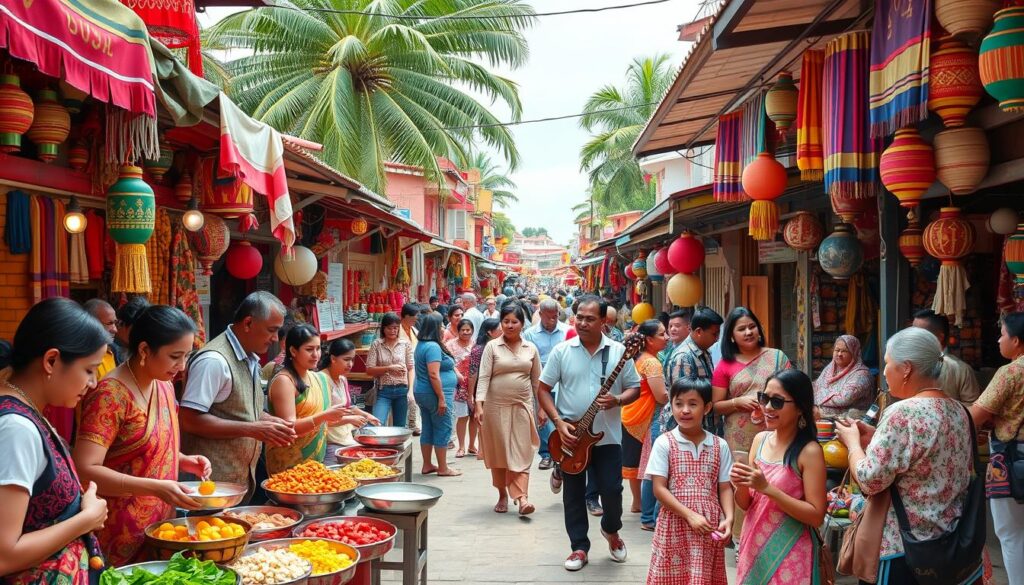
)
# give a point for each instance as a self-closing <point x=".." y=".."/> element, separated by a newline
<point x="588" y="417"/>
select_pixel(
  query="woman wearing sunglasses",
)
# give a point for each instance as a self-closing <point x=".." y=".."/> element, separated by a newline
<point x="781" y="486"/>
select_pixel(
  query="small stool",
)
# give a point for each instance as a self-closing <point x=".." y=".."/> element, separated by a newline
<point x="414" y="547"/>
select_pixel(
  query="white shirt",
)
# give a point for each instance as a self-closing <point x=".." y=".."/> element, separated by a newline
<point x="209" y="377"/>
<point x="25" y="465"/>
<point x="475" y="316"/>
<point x="659" y="462"/>
<point x="578" y="377"/>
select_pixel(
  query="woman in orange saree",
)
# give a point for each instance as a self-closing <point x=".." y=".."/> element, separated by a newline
<point x="638" y="415"/>
<point x="128" y="440"/>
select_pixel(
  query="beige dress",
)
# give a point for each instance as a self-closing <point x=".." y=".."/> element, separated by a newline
<point x="505" y="386"/>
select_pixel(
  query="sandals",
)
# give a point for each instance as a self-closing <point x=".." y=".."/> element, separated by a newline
<point x="501" y="507"/>
<point x="525" y="507"/>
<point x="428" y="471"/>
<point x="452" y="472"/>
<point x="460" y="454"/>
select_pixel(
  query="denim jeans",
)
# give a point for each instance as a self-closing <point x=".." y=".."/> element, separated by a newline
<point x="648" y="503"/>
<point x="545" y="431"/>
<point x="393" y="400"/>
<point x="436" y="428"/>
<point x="606" y="466"/>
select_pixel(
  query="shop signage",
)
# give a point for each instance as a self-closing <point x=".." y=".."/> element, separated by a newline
<point x="775" y="253"/>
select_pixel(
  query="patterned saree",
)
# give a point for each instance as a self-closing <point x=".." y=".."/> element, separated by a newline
<point x="315" y="399"/>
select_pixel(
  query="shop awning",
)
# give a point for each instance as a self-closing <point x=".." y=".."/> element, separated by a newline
<point x="100" y="47"/>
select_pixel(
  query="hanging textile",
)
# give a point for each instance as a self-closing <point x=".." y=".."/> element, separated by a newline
<point x="49" y="261"/>
<point x="860" y="307"/>
<point x="158" y="254"/>
<point x="728" y="164"/>
<point x="78" y="271"/>
<point x="851" y="157"/>
<point x="809" y="149"/>
<point x="95" y="233"/>
<point x="418" y="269"/>
<point x="18" y="229"/>
<point x="900" y="52"/>
<point x="183" y="282"/>
<point x="754" y="138"/>
<point x="173" y="23"/>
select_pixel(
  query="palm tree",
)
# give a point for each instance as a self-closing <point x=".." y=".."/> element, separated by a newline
<point x="379" y="80"/>
<point x="615" y="117"/>
<point x="502" y="225"/>
<point x="492" y="178"/>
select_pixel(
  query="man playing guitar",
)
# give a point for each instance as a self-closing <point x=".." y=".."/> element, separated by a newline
<point x="579" y="367"/>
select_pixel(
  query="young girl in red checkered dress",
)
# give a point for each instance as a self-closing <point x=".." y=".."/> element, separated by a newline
<point x="690" y="471"/>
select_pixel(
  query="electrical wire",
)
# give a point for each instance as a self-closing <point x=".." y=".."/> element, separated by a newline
<point x="548" y="119"/>
<point x="468" y="17"/>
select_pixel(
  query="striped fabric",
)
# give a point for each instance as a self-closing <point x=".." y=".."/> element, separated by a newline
<point x="851" y="155"/>
<point x="755" y="129"/>
<point x="728" y="164"/>
<point x="809" y="149"/>
<point x="900" y="54"/>
<point x="49" y="259"/>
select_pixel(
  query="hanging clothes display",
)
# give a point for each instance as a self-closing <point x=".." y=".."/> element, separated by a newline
<point x="95" y="245"/>
<point x="48" y="269"/>
<point x="18" y="229"/>
<point x="900" y="54"/>
<point x="78" y="271"/>
<point x="851" y="157"/>
<point x="158" y="254"/>
<point x="183" y="282"/>
<point x="809" y="148"/>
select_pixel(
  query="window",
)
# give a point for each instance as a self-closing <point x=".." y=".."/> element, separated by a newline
<point x="456" y="224"/>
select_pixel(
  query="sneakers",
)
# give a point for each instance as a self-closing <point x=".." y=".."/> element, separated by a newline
<point x="545" y="464"/>
<point x="556" y="482"/>
<point x="576" y="561"/>
<point x="593" y="506"/>
<point x="616" y="547"/>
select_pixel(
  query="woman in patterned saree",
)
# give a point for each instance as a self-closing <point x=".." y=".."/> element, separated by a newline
<point x="46" y="520"/>
<point x="128" y="439"/>
<point x="302" y="396"/>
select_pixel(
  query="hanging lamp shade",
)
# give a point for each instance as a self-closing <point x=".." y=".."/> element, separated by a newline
<point x="50" y="125"/>
<point x="652" y="266"/>
<point x="841" y="254"/>
<point x="1014" y="254"/>
<point x="684" y="290"/>
<point x="640" y="266"/>
<point x="1001" y="59"/>
<point x="183" y="188"/>
<point x="686" y="254"/>
<point x="359" y="226"/>
<point x="661" y="262"/>
<point x="949" y="239"/>
<point x="16" y="113"/>
<point x="954" y="84"/>
<point x="642" y="312"/>
<point x="907" y="167"/>
<point x="1003" y="221"/>
<point x="78" y="156"/>
<point x="243" y="261"/>
<point x="298" y="270"/>
<point x="72" y="97"/>
<point x="210" y="241"/>
<point x="911" y="242"/>
<point x="780" y="103"/>
<point x="804" y="232"/>
<point x="849" y="209"/>
<point x="966" y="19"/>
<point x="157" y="168"/>
<point x="764" y="181"/>
<point x="961" y="158"/>
<point x="131" y="215"/>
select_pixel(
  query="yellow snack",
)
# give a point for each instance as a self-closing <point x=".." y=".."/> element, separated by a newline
<point x="202" y="525"/>
<point x="367" y="469"/>
<point x="218" y="522"/>
<point x="324" y="558"/>
<point x="206" y="488"/>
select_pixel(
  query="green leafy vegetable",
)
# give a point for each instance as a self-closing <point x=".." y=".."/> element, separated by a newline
<point x="180" y="571"/>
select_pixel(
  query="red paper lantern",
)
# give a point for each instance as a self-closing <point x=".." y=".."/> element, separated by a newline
<point x="803" y="232"/>
<point x="950" y="237"/>
<point x="359" y="226"/>
<point x="628" y="271"/>
<point x="16" y="113"/>
<point x="686" y="254"/>
<point x="211" y="241"/>
<point x="78" y="156"/>
<point x="907" y="167"/>
<point x="243" y="261"/>
<point x="954" y="85"/>
<point x="911" y="241"/>
<point x="764" y="181"/>
<point x="662" y="263"/>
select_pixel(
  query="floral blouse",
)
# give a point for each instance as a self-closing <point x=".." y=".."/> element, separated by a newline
<point x="1004" y="398"/>
<point x="924" y="445"/>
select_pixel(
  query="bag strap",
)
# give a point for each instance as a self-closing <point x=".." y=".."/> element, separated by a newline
<point x="604" y="363"/>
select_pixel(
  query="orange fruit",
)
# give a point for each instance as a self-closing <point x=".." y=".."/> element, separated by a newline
<point x="96" y="563"/>
<point x="206" y="488"/>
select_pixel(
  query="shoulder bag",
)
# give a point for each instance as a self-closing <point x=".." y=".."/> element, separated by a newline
<point x="1005" y="474"/>
<point x="951" y="558"/>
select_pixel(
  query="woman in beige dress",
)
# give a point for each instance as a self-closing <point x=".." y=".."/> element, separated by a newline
<point x="509" y="374"/>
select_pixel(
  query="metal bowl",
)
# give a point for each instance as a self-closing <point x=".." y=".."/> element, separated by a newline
<point x="388" y="456"/>
<point x="218" y="551"/>
<point x="303" y="580"/>
<point x="382" y="436"/>
<point x="158" y="568"/>
<point x="307" y="499"/>
<point x="396" y="474"/>
<point x="367" y="552"/>
<point x="399" y="497"/>
<point x="261" y="534"/>
<point x="225" y="495"/>
<point x="336" y="578"/>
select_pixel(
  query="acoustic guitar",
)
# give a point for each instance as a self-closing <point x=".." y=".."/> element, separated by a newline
<point x="574" y="460"/>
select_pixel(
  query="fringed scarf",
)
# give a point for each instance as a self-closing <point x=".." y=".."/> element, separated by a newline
<point x="809" y="150"/>
<point x="899" y="65"/>
<point x="158" y="254"/>
<point x="49" y="260"/>
<point x="851" y="157"/>
<point x="130" y="136"/>
<point x="754" y="130"/>
<point x="95" y="251"/>
<point x="18" y="229"/>
<point x="79" y="262"/>
<point x="728" y="164"/>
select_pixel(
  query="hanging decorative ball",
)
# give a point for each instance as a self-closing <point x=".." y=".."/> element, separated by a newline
<point x="841" y="254"/>
<point x="967" y="19"/>
<point x="836" y="454"/>
<point x="684" y="290"/>
<point x="1014" y="254"/>
<point x="1001" y="59"/>
<point x="642" y="312"/>
<point x="298" y="270"/>
<point x="686" y="254"/>
<point x="211" y="241"/>
<point x="183" y="188"/>
<point x="16" y="113"/>
<point x="850" y="208"/>
<point x="50" y="126"/>
<point x="628" y="271"/>
<point x="131" y="216"/>
<point x="243" y="261"/>
<point x="640" y="266"/>
<point x="764" y="181"/>
<point x="652" y="266"/>
<point x="954" y="85"/>
<point x="661" y="262"/>
<point x="78" y="156"/>
<point x="961" y="158"/>
<point x="950" y="237"/>
<point x="72" y="97"/>
<point x="780" y="103"/>
<point x="359" y="226"/>
<point x="803" y="232"/>
<point x="157" y="168"/>
<point x="907" y="167"/>
<point x="910" y="242"/>
<point x="1003" y="221"/>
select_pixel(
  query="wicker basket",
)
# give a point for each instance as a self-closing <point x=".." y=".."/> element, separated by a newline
<point x="218" y="551"/>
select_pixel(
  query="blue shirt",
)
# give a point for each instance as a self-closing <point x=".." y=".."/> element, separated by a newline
<point x="427" y="352"/>
<point x="546" y="340"/>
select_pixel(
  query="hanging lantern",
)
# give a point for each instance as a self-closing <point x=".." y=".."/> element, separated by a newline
<point x="78" y="156"/>
<point x="243" y="261"/>
<point x="16" y="113"/>
<point x="652" y="266"/>
<point x="359" y="226"/>
<point x="910" y="242"/>
<point x="764" y="181"/>
<point x="907" y="167"/>
<point x="1014" y="254"/>
<point x="157" y="168"/>
<point x="849" y="209"/>
<point x="967" y="19"/>
<point x="210" y="241"/>
<point x="72" y="97"/>
<point x="183" y="188"/>
<point x="686" y="254"/>
<point x="661" y="262"/>
<point x="50" y="126"/>
<point x="780" y="103"/>
<point x="949" y="239"/>
<point x="1003" y="221"/>
<point x="1001" y="59"/>
<point x="640" y="266"/>
<point x="225" y="196"/>
<point x="131" y="215"/>
<point x="803" y="232"/>
<point x="954" y="85"/>
<point x="841" y="254"/>
<point x="300" y="269"/>
<point x="684" y="290"/>
<point x="961" y="158"/>
<point x="628" y="271"/>
<point x="642" y="312"/>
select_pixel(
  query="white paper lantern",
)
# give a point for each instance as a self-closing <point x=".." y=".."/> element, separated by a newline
<point x="299" y="270"/>
<point x="1003" y="221"/>
<point x="652" y="268"/>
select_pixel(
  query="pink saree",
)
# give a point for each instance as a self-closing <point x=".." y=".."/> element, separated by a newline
<point x="751" y="379"/>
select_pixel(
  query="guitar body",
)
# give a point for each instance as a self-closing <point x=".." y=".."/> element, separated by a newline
<point x="573" y="461"/>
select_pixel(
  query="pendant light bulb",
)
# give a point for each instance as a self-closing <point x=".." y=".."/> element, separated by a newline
<point x="75" y="221"/>
<point x="193" y="219"/>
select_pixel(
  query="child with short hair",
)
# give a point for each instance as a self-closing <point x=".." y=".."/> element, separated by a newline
<point x="690" y="470"/>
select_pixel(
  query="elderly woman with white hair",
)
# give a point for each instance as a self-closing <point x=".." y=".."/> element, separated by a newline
<point x="921" y="449"/>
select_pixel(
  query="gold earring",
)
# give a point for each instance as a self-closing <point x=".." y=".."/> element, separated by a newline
<point x="802" y="423"/>
<point x="142" y="362"/>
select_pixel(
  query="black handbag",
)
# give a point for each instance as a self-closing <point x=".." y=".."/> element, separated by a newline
<point x="951" y="558"/>
<point x="1005" y="478"/>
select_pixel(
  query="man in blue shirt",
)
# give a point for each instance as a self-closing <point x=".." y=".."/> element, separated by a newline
<point x="546" y="334"/>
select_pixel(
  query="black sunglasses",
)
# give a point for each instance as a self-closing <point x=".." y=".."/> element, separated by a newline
<point x="777" y="402"/>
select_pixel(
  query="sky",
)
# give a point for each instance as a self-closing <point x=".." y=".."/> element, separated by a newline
<point x="571" y="56"/>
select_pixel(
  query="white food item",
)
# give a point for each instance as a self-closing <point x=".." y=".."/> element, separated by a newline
<point x="269" y="567"/>
<point x="398" y="496"/>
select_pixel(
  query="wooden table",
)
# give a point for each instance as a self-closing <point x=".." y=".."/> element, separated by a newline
<point x="405" y="458"/>
<point x="413" y="565"/>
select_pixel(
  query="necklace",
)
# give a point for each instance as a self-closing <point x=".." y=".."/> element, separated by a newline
<point x="31" y="404"/>
<point x="138" y="387"/>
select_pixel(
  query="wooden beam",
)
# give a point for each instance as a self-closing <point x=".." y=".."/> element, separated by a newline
<point x="318" y="188"/>
<point x="730" y="18"/>
<point x="308" y="201"/>
<point x="782" y="33"/>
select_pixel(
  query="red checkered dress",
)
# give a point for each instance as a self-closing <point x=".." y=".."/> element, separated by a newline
<point x="679" y="555"/>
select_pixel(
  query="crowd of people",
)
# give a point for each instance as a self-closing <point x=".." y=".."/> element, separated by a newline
<point x="713" y="431"/>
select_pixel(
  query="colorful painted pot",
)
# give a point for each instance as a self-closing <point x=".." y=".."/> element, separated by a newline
<point x="841" y="254"/>
<point x="907" y="167"/>
<point x="1001" y="59"/>
<point x="954" y="85"/>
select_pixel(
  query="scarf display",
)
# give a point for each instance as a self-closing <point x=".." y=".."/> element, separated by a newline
<point x="754" y="130"/>
<point x="851" y="157"/>
<point x="809" y="149"/>
<point x="79" y="263"/>
<point x="728" y="162"/>
<point x="182" y="286"/>
<point x="95" y="234"/>
<point x="861" y="309"/>
<point x="48" y="265"/>
<point x="158" y="255"/>
<point x="900" y="53"/>
<point x="18" y="229"/>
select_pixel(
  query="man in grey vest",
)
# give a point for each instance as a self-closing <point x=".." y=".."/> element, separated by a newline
<point x="222" y="414"/>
